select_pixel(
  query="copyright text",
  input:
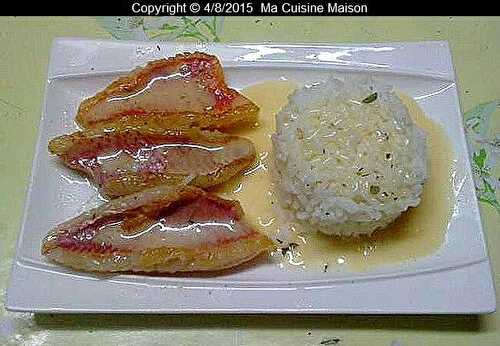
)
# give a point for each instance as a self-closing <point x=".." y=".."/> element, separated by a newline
<point x="250" y="8"/>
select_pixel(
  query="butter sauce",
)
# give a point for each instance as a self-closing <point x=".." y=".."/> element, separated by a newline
<point x="419" y="232"/>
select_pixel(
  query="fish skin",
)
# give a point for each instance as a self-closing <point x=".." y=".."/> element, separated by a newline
<point x="127" y="170"/>
<point x="187" y="90"/>
<point x="198" y="240"/>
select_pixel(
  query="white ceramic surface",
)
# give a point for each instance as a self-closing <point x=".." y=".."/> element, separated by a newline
<point x="456" y="279"/>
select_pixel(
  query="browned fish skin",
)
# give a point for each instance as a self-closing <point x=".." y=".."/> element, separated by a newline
<point x="163" y="229"/>
<point x="132" y="159"/>
<point x="187" y="90"/>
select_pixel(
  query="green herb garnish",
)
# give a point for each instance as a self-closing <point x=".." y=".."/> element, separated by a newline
<point x="370" y="98"/>
<point x="332" y="341"/>
<point x="374" y="189"/>
<point x="361" y="172"/>
<point x="288" y="249"/>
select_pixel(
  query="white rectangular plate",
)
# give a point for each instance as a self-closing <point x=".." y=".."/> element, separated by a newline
<point x="456" y="279"/>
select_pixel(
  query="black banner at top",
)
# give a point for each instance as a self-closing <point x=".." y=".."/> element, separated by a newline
<point x="250" y="8"/>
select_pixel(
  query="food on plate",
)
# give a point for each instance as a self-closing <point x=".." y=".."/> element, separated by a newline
<point x="162" y="229"/>
<point x="151" y="141"/>
<point x="349" y="158"/>
<point x="345" y="159"/>
<point x="187" y="90"/>
<point x="127" y="161"/>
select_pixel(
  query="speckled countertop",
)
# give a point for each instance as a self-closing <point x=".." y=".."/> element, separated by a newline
<point x="24" y="57"/>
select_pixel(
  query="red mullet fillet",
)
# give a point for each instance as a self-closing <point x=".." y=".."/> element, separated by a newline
<point x="187" y="90"/>
<point x="163" y="229"/>
<point x="130" y="160"/>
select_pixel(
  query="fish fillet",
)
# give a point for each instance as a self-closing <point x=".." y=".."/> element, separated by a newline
<point x="163" y="229"/>
<point x="130" y="160"/>
<point x="187" y="90"/>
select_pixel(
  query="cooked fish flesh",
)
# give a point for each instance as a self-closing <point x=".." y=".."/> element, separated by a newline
<point x="130" y="160"/>
<point x="163" y="229"/>
<point x="187" y="90"/>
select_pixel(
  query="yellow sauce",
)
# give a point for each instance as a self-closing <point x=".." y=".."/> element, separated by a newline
<point x="417" y="233"/>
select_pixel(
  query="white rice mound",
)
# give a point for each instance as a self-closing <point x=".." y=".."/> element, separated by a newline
<point x="345" y="166"/>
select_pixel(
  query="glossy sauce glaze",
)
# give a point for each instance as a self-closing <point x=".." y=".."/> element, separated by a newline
<point x="417" y="233"/>
<point x="163" y="229"/>
<point x="187" y="90"/>
<point x="123" y="162"/>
